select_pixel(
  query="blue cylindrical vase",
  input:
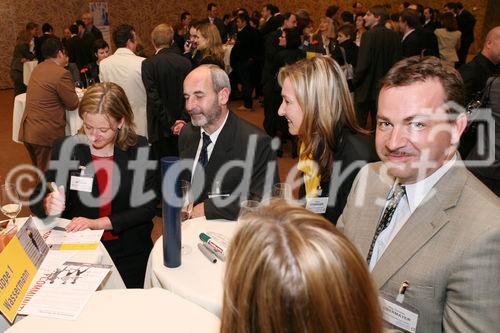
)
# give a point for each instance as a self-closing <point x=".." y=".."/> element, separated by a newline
<point x="172" y="204"/>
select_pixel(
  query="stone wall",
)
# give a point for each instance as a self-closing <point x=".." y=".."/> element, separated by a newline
<point x="60" y="13"/>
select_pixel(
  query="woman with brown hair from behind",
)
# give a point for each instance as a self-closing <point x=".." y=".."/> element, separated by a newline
<point x="290" y="270"/>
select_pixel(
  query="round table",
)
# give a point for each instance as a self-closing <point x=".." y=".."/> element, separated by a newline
<point x="129" y="310"/>
<point x="28" y="67"/>
<point x="197" y="279"/>
<point x="99" y="256"/>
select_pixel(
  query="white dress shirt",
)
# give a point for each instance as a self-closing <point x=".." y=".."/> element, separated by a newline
<point x="210" y="147"/>
<point x="415" y="194"/>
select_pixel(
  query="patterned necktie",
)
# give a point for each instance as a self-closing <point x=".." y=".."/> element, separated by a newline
<point x="393" y="201"/>
<point x="203" y="159"/>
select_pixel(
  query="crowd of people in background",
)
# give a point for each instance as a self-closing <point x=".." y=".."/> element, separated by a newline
<point x="325" y="86"/>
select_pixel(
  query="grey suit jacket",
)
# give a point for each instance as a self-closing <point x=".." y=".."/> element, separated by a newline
<point x="448" y="250"/>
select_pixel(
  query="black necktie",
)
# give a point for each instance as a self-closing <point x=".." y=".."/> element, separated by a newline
<point x="203" y="159"/>
<point x="392" y="203"/>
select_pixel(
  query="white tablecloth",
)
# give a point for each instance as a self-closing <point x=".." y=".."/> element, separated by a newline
<point x="129" y="310"/>
<point x="99" y="256"/>
<point x="73" y="120"/>
<point x="28" y="67"/>
<point x="197" y="279"/>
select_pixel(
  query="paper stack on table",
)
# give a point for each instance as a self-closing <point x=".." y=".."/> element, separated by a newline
<point x="61" y="288"/>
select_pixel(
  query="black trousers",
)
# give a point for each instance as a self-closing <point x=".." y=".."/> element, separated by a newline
<point x="245" y="75"/>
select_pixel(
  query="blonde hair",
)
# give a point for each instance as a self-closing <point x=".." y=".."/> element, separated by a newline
<point x="109" y="99"/>
<point x="162" y="35"/>
<point x="322" y="93"/>
<point x="214" y="47"/>
<point x="290" y="270"/>
<point x="331" y="32"/>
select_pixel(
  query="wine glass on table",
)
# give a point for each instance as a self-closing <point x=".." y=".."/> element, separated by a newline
<point x="187" y="209"/>
<point x="10" y="204"/>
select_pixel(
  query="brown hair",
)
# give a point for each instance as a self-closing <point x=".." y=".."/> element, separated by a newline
<point x="290" y="270"/>
<point x="380" y="11"/>
<point x="323" y="96"/>
<point x="449" y="22"/>
<point x="23" y="37"/>
<point x="109" y="99"/>
<point x="420" y="69"/>
<point x="162" y="35"/>
<point x="214" y="48"/>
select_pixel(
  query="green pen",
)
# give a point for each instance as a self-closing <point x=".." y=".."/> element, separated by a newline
<point x="214" y="245"/>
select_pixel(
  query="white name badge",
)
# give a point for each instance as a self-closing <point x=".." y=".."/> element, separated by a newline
<point x="81" y="183"/>
<point x="399" y="315"/>
<point x="317" y="205"/>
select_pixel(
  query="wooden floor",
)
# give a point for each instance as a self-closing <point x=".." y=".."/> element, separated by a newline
<point x="14" y="154"/>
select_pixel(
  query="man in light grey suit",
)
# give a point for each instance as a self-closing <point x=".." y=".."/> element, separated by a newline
<point x="429" y="229"/>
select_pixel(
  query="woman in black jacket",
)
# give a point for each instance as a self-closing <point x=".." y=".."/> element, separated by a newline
<point x="21" y="55"/>
<point x="98" y="187"/>
<point x="333" y="147"/>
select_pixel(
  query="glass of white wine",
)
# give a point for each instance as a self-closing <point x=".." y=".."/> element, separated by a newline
<point x="186" y="210"/>
<point x="10" y="204"/>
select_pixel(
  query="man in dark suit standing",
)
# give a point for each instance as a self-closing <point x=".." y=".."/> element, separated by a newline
<point x="76" y="49"/>
<point x="233" y="160"/>
<point x="413" y="42"/>
<point x="47" y="32"/>
<point x="466" y="23"/>
<point x="380" y="49"/>
<point x="212" y="12"/>
<point x="243" y="58"/>
<point x="274" y="20"/>
<point x="90" y="28"/>
<point x="163" y="75"/>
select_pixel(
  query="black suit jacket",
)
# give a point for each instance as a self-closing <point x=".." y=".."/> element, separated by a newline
<point x="133" y="225"/>
<point x="353" y="148"/>
<point x="380" y="48"/>
<point x="246" y="46"/>
<point x="271" y="25"/>
<point x="231" y="146"/>
<point x="466" y="23"/>
<point x="475" y="74"/>
<point x="77" y="52"/>
<point x="163" y="76"/>
<point x="414" y="44"/>
<point x="351" y="51"/>
<point x="38" y="46"/>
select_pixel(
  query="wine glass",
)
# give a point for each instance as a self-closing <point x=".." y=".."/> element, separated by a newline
<point x="187" y="200"/>
<point x="186" y="210"/>
<point x="247" y="206"/>
<point x="10" y="204"/>
<point x="90" y="82"/>
<point x="78" y="85"/>
<point x="282" y="191"/>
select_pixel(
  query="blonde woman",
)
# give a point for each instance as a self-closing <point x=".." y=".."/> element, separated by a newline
<point x="319" y="110"/>
<point x="104" y="149"/>
<point x="325" y="35"/>
<point x="209" y="46"/>
<point x="289" y="270"/>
